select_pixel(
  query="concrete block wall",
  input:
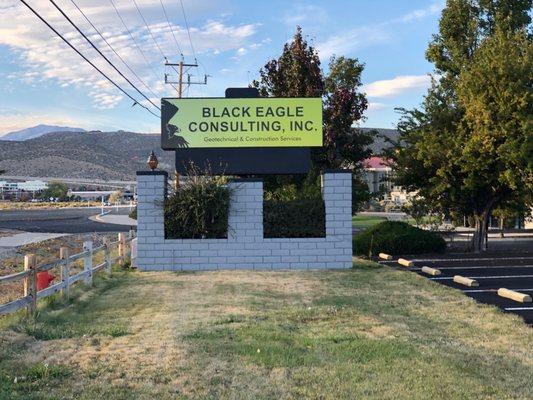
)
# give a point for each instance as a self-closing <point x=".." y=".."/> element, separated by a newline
<point x="245" y="246"/>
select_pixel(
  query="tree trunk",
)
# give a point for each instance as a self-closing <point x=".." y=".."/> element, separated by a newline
<point x="479" y="241"/>
<point x="502" y="222"/>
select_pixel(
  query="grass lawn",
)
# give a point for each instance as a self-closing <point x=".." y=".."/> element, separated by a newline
<point x="370" y="332"/>
<point x="366" y="221"/>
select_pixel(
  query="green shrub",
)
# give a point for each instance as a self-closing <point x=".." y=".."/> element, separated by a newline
<point x="394" y="237"/>
<point x="296" y="218"/>
<point x="133" y="213"/>
<point x="198" y="209"/>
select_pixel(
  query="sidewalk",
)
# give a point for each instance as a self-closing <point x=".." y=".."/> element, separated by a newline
<point x="20" y="239"/>
<point x="115" y="219"/>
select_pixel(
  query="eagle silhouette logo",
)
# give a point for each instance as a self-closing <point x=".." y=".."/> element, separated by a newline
<point x="171" y="129"/>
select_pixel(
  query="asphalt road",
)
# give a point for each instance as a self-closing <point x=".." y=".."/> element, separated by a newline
<point x="63" y="220"/>
<point x="510" y="270"/>
<point x="496" y="244"/>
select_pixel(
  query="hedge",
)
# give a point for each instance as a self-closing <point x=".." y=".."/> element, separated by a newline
<point x="198" y="209"/>
<point x="294" y="219"/>
<point x="397" y="238"/>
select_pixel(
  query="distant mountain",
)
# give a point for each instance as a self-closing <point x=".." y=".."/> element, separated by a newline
<point x="93" y="155"/>
<point x="99" y="155"/>
<point x="37" y="131"/>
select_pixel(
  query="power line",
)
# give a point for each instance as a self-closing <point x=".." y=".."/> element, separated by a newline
<point x="171" y="29"/>
<point x="113" y="50"/>
<point x="86" y="59"/>
<point x="188" y="30"/>
<point x="102" y="54"/>
<point x="133" y="39"/>
<point x="149" y="30"/>
<point x="192" y="46"/>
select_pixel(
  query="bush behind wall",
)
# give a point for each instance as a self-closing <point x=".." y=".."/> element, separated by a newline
<point x="294" y="219"/>
<point x="198" y="209"/>
<point x="397" y="238"/>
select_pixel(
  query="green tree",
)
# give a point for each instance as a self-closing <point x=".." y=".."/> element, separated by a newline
<point x="496" y="93"/>
<point x="508" y="213"/>
<point x="297" y="73"/>
<point x="56" y="190"/>
<point x="468" y="149"/>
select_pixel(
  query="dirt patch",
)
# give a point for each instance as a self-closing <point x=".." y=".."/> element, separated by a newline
<point x="7" y="233"/>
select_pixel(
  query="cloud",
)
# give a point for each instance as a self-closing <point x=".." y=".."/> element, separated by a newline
<point x="46" y="58"/>
<point x="364" y="36"/>
<point x="14" y="121"/>
<point x="303" y="13"/>
<point x="8" y="111"/>
<point x="435" y="8"/>
<point x="376" y="106"/>
<point x="397" y="85"/>
<point x="352" y="40"/>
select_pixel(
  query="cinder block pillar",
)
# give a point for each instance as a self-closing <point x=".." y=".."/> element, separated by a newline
<point x="337" y="192"/>
<point x="245" y="221"/>
<point x="151" y="190"/>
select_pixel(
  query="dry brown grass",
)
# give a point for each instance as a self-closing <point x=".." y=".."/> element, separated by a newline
<point x="364" y="333"/>
<point x="26" y="205"/>
<point x="47" y="251"/>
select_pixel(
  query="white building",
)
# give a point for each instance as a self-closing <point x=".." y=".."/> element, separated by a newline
<point x="32" y="186"/>
<point x="377" y="174"/>
<point x="27" y="186"/>
<point x="8" y="187"/>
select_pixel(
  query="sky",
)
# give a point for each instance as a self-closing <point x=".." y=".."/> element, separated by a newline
<point x="43" y="81"/>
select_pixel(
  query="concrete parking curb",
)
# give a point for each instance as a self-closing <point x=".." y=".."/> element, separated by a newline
<point x="431" y="271"/>
<point x="405" y="263"/>
<point x="514" y="295"/>
<point x="465" y="281"/>
<point x="385" y="256"/>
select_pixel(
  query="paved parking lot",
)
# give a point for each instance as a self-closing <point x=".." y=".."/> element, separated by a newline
<point x="492" y="272"/>
<point x="61" y="220"/>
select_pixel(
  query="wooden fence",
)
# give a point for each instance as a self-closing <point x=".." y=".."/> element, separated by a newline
<point x="29" y="275"/>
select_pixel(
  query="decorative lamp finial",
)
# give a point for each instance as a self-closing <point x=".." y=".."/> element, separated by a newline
<point x="152" y="161"/>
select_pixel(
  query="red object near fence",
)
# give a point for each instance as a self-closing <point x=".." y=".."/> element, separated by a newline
<point x="44" y="279"/>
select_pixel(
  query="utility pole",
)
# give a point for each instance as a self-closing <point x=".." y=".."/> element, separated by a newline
<point x="180" y="71"/>
<point x="180" y="80"/>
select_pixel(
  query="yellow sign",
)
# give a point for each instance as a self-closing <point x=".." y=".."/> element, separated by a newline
<point x="249" y="122"/>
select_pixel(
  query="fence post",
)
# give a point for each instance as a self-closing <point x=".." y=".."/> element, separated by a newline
<point x="88" y="262"/>
<point x="131" y="236"/>
<point x="65" y="272"/>
<point x="122" y="249"/>
<point x="30" y="282"/>
<point x="107" y="256"/>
